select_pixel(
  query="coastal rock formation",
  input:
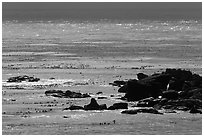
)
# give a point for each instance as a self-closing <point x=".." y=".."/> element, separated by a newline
<point x="151" y="86"/>
<point x="65" y="94"/>
<point x="154" y="85"/>
<point x="93" y="105"/>
<point x="173" y="89"/>
<point x="23" y="78"/>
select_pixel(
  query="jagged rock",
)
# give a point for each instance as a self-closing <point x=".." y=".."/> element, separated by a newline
<point x="141" y="76"/>
<point x="93" y="105"/>
<point x="143" y="110"/>
<point x="118" y="106"/>
<point x="65" y="94"/>
<point x="23" y="78"/>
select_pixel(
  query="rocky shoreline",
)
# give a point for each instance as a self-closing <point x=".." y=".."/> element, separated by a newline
<point x="173" y="89"/>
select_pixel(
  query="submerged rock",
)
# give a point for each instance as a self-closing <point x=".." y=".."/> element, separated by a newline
<point x="65" y="94"/>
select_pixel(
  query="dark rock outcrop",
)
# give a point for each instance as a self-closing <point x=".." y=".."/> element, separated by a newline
<point x="173" y="88"/>
<point x="93" y="105"/>
<point x="65" y="94"/>
<point x="120" y="105"/>
<point x="23" y="78"/>
<point x="151" y="86"/>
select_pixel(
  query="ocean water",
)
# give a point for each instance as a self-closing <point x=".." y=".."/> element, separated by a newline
<point x="106" y="38"/>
